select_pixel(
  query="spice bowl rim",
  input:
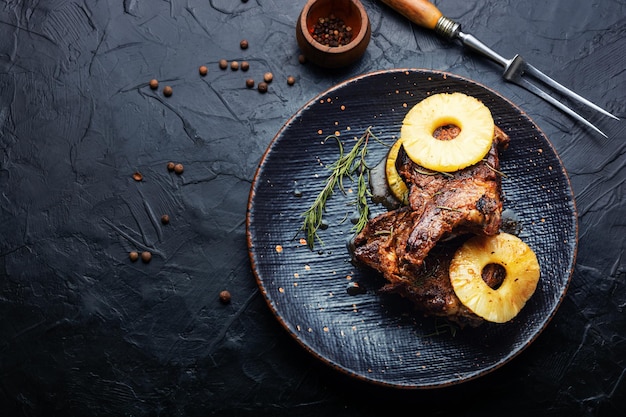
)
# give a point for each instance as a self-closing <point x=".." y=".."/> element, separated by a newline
<point x="361" y="40"/>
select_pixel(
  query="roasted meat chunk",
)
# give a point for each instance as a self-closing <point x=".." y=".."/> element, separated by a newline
<point x="465" y="201"/>
<point x="412" y="246"/>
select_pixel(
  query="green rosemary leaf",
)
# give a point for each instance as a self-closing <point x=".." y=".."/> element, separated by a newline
<point x="348" y="165"/>
<point x="494" y="169"/>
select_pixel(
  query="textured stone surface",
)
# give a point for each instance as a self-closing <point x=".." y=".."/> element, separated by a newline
<point x="85" y="331"/>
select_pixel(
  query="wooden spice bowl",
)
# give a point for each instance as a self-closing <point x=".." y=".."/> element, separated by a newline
<point x="352" y="13"/>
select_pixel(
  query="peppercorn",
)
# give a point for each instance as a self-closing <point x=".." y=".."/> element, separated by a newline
<point x="203" y="70"/>
<point x="146" y="256"/>
<point x="262" y="87"/>
<point x="331" y="31"/>
<point x="154" y="84"/>
<point x="234" y="65"/>
<point x="291" y="80"/>
<point x="268" y="77"/>
<point x="301" y="59"/>
<point x="133" y="256"/>
<point x="245" y="66"/>
<point x="225" y="297"/>
<point x="250" y="83"/>
<point x="167" y="91"/>
<point x="137" y="176"/>
<point x="179" y="168"/>
<point x="243" y="44"/>
<point x="223" y="64"/>
<point x="170" y="166"/>
<point x="165" y="219"/>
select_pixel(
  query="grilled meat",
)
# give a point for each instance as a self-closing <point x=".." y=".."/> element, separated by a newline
<point x="466" y="201"/>
<point x="430" y="290"/>
<point x="409" y="245"/>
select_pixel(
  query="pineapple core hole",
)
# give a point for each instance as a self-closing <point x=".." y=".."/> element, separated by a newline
<point x="447" y="132"/>
<point x="493" y="275"/>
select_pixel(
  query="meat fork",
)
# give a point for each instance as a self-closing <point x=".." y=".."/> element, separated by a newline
<point x="428" y="15"/>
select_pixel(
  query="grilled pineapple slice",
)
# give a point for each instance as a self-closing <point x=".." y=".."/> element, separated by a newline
<point x="397" y="186"/>
<point x="470" y="146"/>
<point x="522" y="274"/>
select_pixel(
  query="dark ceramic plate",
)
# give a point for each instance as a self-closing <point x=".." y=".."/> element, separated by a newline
<point x="375" y="337"/>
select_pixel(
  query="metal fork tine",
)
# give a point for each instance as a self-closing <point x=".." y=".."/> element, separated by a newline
<point x="426" y="14"/>
<point x="522" y="82"/>
<point x="515" y="68"/>
<point x="514" y="72"/>
<point x="530" y="70"/>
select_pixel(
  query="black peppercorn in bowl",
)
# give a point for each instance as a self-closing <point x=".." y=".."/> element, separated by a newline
<point x="333" y="33"/>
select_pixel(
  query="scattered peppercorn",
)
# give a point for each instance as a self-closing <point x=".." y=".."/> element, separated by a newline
<point x="225" y="297"/>
<point x="146" y="256"/>
<point x="154" y="84"/>
<point x="262" y="87"/>
<point x="165" y="219"/>
<point x="170" y="166"/>
<point x="203" y="70"/>
<point x="268" y="77"/>
<point x="137" y="176"/>
<point x="133" y="256"/>
<point x="179" y="168"/>
<point x="250" y="83"/>
<point x="243" y="44"/>
<point x="301" y="59"/>
<point x="234" y="65"/>
<point x="245" y="66"/>
<point x="167" y="91"/>
<point x="291" y="80"/>
<point x="223" y="64"/>
<point x="331" y="31"/>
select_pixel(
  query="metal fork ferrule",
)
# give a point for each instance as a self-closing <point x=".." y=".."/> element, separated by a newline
<point x="447" y="28"/>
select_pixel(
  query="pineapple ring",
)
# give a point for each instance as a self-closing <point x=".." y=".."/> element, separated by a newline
<point x="470" y="146"/>
<point x="522" y="274"/>
<point x="397" y="186"/>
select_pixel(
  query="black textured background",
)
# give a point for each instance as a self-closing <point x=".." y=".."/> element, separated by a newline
<point x="85" y="332"/>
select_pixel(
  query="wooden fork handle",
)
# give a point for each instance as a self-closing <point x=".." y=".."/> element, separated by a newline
<point x="421" y="12"/>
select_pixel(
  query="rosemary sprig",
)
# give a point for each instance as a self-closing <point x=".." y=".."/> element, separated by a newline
<point x="431" y="172"/>
<point x="448" y="208"/>
<point x="345" y="166"/>
<point x="442" y="327"/>
<point x="494" y="169"/>
<point x="384" y="232"/>
<point x="363" y="191"/>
